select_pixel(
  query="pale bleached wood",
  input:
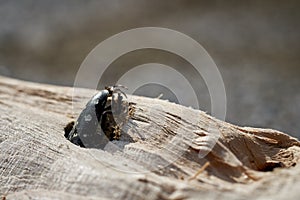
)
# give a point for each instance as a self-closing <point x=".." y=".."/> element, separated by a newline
<point x="165" y="145"/>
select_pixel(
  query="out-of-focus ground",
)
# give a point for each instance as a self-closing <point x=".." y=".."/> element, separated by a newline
<point x="255" y="45"/>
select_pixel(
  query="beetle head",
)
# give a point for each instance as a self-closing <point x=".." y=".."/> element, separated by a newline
<point x="111" y="89"/>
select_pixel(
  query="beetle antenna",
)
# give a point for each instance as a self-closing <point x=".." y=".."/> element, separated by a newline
<point x="120" y="86"/>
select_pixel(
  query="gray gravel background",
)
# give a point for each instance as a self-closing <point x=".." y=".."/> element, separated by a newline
<point x="255" y="45"/>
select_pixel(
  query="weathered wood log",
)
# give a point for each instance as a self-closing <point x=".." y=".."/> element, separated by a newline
<point x="162" y="148"/>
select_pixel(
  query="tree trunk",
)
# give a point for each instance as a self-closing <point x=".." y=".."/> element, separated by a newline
<point x="166" y="151"/>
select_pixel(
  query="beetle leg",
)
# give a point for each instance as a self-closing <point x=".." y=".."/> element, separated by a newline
<point x="116" y="90"/>
<point x="108" y="124"/>
<point x="107" y="108"/>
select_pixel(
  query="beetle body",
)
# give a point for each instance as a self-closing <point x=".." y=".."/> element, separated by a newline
<point x="88" y="129"/>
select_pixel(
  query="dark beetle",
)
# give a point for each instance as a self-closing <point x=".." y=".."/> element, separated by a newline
<point x="95" y="125"/>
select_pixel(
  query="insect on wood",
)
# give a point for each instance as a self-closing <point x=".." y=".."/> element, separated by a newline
<point x="101" y="120"/>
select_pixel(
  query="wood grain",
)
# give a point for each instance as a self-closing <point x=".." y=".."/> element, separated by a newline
<point x="162" y="147"/>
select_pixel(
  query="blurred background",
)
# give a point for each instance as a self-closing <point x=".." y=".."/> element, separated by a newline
<point x="255" y="45"/>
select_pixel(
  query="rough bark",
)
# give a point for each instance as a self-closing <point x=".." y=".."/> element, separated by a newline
<point x="158" y="156"/>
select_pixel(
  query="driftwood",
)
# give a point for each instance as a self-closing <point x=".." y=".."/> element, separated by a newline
<point x="167" y="151"/>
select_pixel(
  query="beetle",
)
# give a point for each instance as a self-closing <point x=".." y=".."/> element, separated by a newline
<point x="96" y="125"/>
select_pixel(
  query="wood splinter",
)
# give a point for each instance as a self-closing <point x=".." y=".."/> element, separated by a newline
<point x="202" y="169"/>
